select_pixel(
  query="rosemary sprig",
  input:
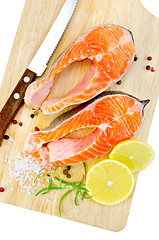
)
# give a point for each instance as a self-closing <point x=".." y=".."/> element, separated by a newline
<point x="72" y="184"/>
<point x="65" y="194"/>
<point x="85" y="172"/>
<point x="65" y="185"/>
<point x="46" y="189"/>
<point x="76" y="201"/>
<point x="39" y="176"/>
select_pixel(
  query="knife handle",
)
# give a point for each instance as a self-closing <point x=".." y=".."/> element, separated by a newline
<point x="13" y="103"/>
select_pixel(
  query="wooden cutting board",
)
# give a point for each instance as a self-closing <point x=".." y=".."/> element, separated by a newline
<point x="36" y="20"/>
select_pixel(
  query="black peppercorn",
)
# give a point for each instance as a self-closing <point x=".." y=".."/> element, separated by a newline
<point x="36" y="113"/>
<point x="32" y="115"/>
<point x="148" y="67"/>
<point x="68" y="167"/>
<point x="68" y="176"/>
<point x="6" y="137"/>
<point x="119" y="82"/>
<point x="65" y="171"/>
<point x="135" y="58"/>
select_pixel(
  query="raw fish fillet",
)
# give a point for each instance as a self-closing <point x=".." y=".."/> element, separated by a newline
<point x="111" y="51"/>
<point x="87" y="131"/>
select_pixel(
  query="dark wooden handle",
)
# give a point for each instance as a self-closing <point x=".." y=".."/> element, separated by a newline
<point x="13" y="103"/>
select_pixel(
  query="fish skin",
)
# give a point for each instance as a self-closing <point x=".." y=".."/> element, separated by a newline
<point x="98" y="113"/>
<point x="102" y="73"/>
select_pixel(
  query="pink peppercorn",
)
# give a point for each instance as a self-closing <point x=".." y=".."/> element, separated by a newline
<point x="14" y="121"/>
<point x="20" y="124"/>
<point x="149" y="58"/>
<point x="1" y="189"/>
<point x="152" y="69"/>
<point x="37" y="129"/>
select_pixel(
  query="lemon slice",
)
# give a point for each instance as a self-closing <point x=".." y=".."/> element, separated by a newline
<point x="135" y="154"/>
<point x="109" y="182"/>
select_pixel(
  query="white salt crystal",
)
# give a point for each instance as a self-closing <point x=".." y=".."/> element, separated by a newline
<point x="10" y="140"/>
<point x="23" y="170"/>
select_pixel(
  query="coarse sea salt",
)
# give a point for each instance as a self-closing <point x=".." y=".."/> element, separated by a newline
<point x="10" y="140"/>
<point x="23" y="170"/>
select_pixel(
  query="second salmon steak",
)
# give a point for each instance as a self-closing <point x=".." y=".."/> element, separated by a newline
<point x="88" y="131"/>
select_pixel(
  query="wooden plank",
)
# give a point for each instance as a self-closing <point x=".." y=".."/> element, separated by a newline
<point x="36" y="20"/>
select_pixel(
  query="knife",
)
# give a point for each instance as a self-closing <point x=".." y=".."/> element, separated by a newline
<point x="37" y="66"/>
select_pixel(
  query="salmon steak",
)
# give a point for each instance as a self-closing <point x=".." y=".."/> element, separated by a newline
<point x="111" y="51"/>
<point x="87" y="131"/>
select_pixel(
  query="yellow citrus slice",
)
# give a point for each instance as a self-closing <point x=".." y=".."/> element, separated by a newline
<point x="135" y="154"/>
<point x="109" y="182"/>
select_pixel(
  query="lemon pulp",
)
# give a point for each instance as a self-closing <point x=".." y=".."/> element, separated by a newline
<point x="135" y="154"/>
<point x="109" y="182"/>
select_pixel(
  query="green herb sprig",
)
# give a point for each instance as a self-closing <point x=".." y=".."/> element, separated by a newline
<point x="60" y="184"/>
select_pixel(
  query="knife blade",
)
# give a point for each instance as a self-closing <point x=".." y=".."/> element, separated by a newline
<point x="37" y="66"/>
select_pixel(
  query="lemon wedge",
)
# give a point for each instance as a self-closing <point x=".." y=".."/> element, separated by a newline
<point x="135" y="154"/>
<point x="109" y="182"/>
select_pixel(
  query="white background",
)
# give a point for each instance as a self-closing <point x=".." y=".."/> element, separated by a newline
<point x="18" y="223"/>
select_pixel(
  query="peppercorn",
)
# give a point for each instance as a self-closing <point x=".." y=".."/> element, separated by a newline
<point x="119" y="82"/>
<point x="36" y="113"/>
<point x="148" y="67"/>
<point x="1" y="189"/>
<point x="6" y="137"/>
<point x="68" y="167"/>
<point x="135" y="58"/>
<point x="37" y="129"/>
<point x="32" y="115"/>
<point x="14" y="121"/>
<point x="20" y="124"/>
<point x="149" y="58"/>
<point x="48" y="175"/>
<point x="152" y="69"/>
<point x="65" y="171"/>
<point x="68" y="176"/>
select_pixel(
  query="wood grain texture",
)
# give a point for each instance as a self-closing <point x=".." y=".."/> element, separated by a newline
<point x="36" y="20"/>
